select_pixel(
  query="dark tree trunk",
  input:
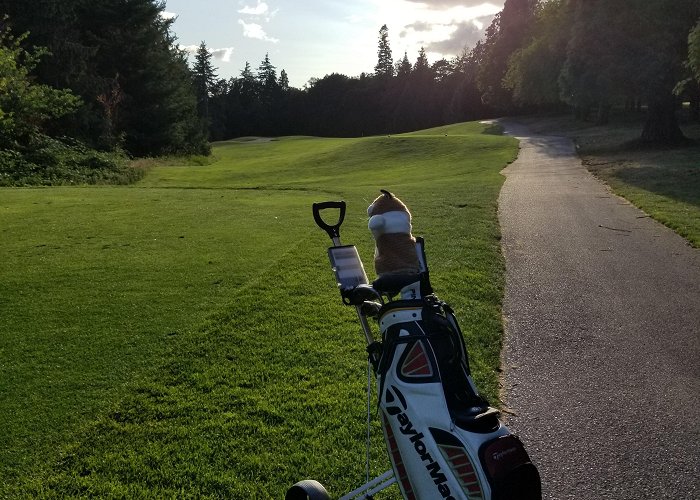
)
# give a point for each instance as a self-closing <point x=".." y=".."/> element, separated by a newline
<point x="661" y="126"/>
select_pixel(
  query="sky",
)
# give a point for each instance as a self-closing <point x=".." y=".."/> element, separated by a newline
<point x="314" y="38"/>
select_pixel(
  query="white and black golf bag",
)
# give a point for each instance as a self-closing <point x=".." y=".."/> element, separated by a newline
<point x="443" y="439"/>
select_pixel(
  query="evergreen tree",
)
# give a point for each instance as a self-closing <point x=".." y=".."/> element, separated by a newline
<point x="204" y="78"/>
<point x="415" y="104"/>
<point x="269" y="95"/>
<point x="245" y="97"/>
<point x="403" y="67"/>
<point x="53" y="24"/>
<point x="267" y="75"/>
<point x="220" y="107"/>
<point x="422" y="67"/>
<point x="159" y="112"/>
<point x="247" y="86"/>
<point x="283" y="81"/>
<point x="385" y="63"/>
<point x="465" y="101"/>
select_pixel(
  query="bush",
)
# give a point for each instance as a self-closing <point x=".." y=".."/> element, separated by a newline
<point x="49" y="161"/>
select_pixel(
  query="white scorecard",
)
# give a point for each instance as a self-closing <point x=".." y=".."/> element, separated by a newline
<point x="348" y="268"/>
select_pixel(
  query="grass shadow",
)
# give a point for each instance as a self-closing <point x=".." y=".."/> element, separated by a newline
<point x="680" y="182"/>
<point x="493" y="129"/>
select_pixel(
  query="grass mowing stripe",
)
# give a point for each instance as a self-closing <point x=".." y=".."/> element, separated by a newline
<point x="96" y="282"/>
<point x="271" y="389"/>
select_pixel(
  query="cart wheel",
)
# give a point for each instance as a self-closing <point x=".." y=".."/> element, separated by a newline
<point x="307" y="490"/>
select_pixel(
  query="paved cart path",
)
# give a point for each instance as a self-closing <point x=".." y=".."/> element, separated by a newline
<point x="602" y="350"/>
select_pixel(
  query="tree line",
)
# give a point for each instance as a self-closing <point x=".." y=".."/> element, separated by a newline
<point x="398" y="98"/>
<point x="585" y="55"/>
<point x="87" y="83"/>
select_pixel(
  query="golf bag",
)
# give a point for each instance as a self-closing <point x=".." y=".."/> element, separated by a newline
<point x="443" y="439"/>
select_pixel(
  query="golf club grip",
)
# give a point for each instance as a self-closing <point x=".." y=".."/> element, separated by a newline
<point x="333" y="231"/>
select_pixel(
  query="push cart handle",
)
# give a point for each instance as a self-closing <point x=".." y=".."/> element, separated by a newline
<point x="332" y="230"/>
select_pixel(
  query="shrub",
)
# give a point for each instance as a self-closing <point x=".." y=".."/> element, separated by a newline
<point x="47" y="161"/>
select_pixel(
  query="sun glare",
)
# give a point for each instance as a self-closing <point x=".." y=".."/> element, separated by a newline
<point x="414" y="24"/>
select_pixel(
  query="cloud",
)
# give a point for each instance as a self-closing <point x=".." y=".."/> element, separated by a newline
<point x="419" y="26"/>
<point x="464" y="34"/>
<point x="168" y="15"/>
<point x="259" y="10"/>
<point x="252" y="30"/>
<point x="190" y="49"/>
<point x="446" y="4"/>
<point x="223" y="55"/>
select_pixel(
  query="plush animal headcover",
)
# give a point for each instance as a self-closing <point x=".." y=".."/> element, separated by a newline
<point x="390" y="223"/>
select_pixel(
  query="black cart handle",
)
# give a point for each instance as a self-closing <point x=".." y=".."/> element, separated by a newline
<point x="332" y="230"/>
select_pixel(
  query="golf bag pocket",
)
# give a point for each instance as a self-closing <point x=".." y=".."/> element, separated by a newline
<point x="510" y="472"/>
<point x="434" y="420"/>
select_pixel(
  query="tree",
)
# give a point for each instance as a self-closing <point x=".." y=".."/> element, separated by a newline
<point x="533" y="70"/>
<point x="283" y="81"/>
<point x="221" y="107"/>
<point x="26" y="106"/>
<point x="55" y="25"/>
<point x="694" y="51"/>
<point x="508" y="32"/>
<point x="465" y="98"/>
<point x="598" y="68"/>
<point x="441" y="69"/>
<point x="120" y="57"/>
<point x="244" y="95"/>
<point x="663" y="31"/>
<point x="385" y="63"/>
<point x="29" y="155"/>
<point x="416" y="104"/>
<point x="267" y="74"/>
<point x="159" y="111"/>
<point x="204" y="78"/>
<point x="403" y="67"/>
<point x="692" y="84"/>
<point x="269" y="95"/>
<point x="623" y="48"/>
<point x="421" y="68"/>
<point x="247" y="85"/>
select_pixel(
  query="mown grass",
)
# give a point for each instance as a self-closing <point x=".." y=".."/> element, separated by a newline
<point x="662" y="181"/>
<point x="183" y="338"/>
